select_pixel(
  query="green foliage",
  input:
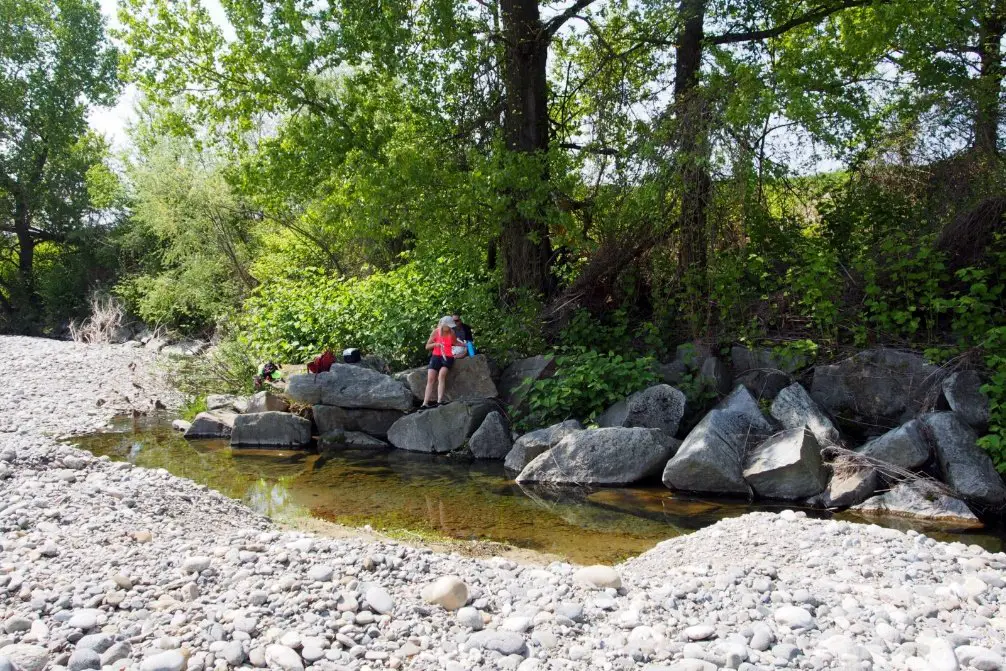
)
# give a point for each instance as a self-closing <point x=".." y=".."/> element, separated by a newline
<point x="56" y="64"/>
<point x="227" y="368"/>
<point x="585" y="383"/>
<point x="994" y="442"/>
<point x="388" y="314"/>
<point x="615" y="332"/>
<point x="189" y="242"/>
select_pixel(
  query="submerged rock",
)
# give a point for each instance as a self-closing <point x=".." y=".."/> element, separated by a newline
<point x="375" y="422"/>
<point x="492" y="439"/>
<point x="919" y="501"/>
<point x="211" y="425"/>
<point x="967" y="468"/>
<point x="441" y="429"/>
<point x="658" y="407"/>
<point x="349" y="386"/>
<point x="787" y="466"/>
<point x="905" y="447"/>
<point x="607" y="456"/>
<point x="711" y="458"/>
<point x="531" y="444"/>
<point x="270" y="429"/>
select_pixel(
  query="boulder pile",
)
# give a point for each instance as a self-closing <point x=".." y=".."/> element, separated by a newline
<point x="878" y="432"/>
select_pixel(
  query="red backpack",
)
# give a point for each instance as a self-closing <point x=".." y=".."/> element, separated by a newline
<point x="323" y="363"/>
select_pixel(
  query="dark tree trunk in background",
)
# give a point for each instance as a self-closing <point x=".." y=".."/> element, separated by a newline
<point x="991" y="29"/>
<point x="26" y="302"/>
<point x="524" y="242"/>
<point x="692" y="140"/>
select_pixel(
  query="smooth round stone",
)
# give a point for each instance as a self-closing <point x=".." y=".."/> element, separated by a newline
<point x="290" y="639"/>
<point x="320" y="573"/>
<point x="196" y="564"/>
<point x="25" y="657"/>
<point x="598" y="577"/>
<point x="517" y="623"/>
<point x="282" y="657"/>
<point x="312" y="653"/>
<point x="16" y="623"/>
<point x="794" y="617"/>
<point x="503" y="642"/>
<point x="97" y="642"/>
<point x="84" y="658"/>
<point x="699" y="632"/>
<point x="84" y="619"/>
<point x="379" y="599"/>
<point x="171" y="660"/>
<point x="570" y="610"/>
<point x="233" y="652"/>
<point x="448" y="592"/>
<point x="471" y="618"/>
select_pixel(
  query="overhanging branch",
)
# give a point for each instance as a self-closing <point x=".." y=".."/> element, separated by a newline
<point x="555" y="23"/>
<point x="813" y="16"/>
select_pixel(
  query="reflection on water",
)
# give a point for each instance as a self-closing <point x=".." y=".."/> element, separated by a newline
<point x="391" y="489"/>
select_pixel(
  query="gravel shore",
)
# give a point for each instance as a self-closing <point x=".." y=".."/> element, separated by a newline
<point x="103" y="565"/>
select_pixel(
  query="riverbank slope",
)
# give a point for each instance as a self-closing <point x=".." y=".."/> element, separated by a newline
<point x="106" y="565"/>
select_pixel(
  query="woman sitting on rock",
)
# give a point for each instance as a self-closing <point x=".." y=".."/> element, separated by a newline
<point x="440" y="344"/>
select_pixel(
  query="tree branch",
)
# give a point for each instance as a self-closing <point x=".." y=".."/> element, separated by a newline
<point x="555" y="23"/>
<point x="812" y="16"/>
<point x="603" y="151"/>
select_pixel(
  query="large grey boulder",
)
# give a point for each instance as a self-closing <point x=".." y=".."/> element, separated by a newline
<point x="963" y="391"/>
<point x="967" y="468"/>
<point x="469" y="379"/>
<point x="658" y="407"/>
<point x="533" y="443"/>
<point x="518" y="375"/>
<point x="441" y="429"/>
<point x="764" y="383"/>
<point x="266" y="401"/>
<point x="211" y="425"/>
<point x="849" y="485"/>
<point x="711" y="458"/>
<point x="375" y="422"/>
<point x="223" y="402"/>
<point x="270" y="429"/>
<point x="876" y="388"/>
<point x="905" y="447"/>
<point x="715" y="376"/>
<point x="787" y="466"/>
<point x="919" y="501"/>
<point x="492" y="439"/>
<point x="794" y="408"/>
<point x="350" y="386"/>
<point x="338" y="440"/>
<point x="608" y="456"/>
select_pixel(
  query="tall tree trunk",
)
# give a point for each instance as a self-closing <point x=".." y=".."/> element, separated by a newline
<point x="692" y="140"/>
<point x="524" y="241"/>
<point x="27" y="303"/>
<point x="992" y="27"/>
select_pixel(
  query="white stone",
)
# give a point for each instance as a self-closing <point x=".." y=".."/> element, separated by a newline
<point x="449" y="592"/>
<point x="598" y="576"/>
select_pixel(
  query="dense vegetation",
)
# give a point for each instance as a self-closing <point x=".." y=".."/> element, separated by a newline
<point x="596" y="175"/>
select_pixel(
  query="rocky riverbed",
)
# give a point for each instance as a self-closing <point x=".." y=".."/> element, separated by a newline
<point x="103" y="565"/>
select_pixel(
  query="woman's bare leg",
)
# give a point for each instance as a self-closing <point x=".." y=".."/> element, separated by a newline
<point x="442" y="387"/>
<point x="431" y="379"/>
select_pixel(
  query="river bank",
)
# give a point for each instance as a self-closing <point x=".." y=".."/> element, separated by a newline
<point x="104" y="564"/>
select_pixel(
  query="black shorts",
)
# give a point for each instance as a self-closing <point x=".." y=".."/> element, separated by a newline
<point x="438" y="362"/>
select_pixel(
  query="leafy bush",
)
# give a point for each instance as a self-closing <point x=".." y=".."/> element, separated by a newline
<point x="388" y="314"/>
<point x="227" y="368"/>
<point x="585" y="383"/>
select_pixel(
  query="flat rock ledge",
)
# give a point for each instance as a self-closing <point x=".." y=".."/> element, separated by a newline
<point x="106" y="565"/>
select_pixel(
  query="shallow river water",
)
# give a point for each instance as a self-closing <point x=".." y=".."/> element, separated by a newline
<point x="400" y="491"/>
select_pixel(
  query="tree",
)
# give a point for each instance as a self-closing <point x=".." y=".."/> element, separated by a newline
<point x="55" y="64"/>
